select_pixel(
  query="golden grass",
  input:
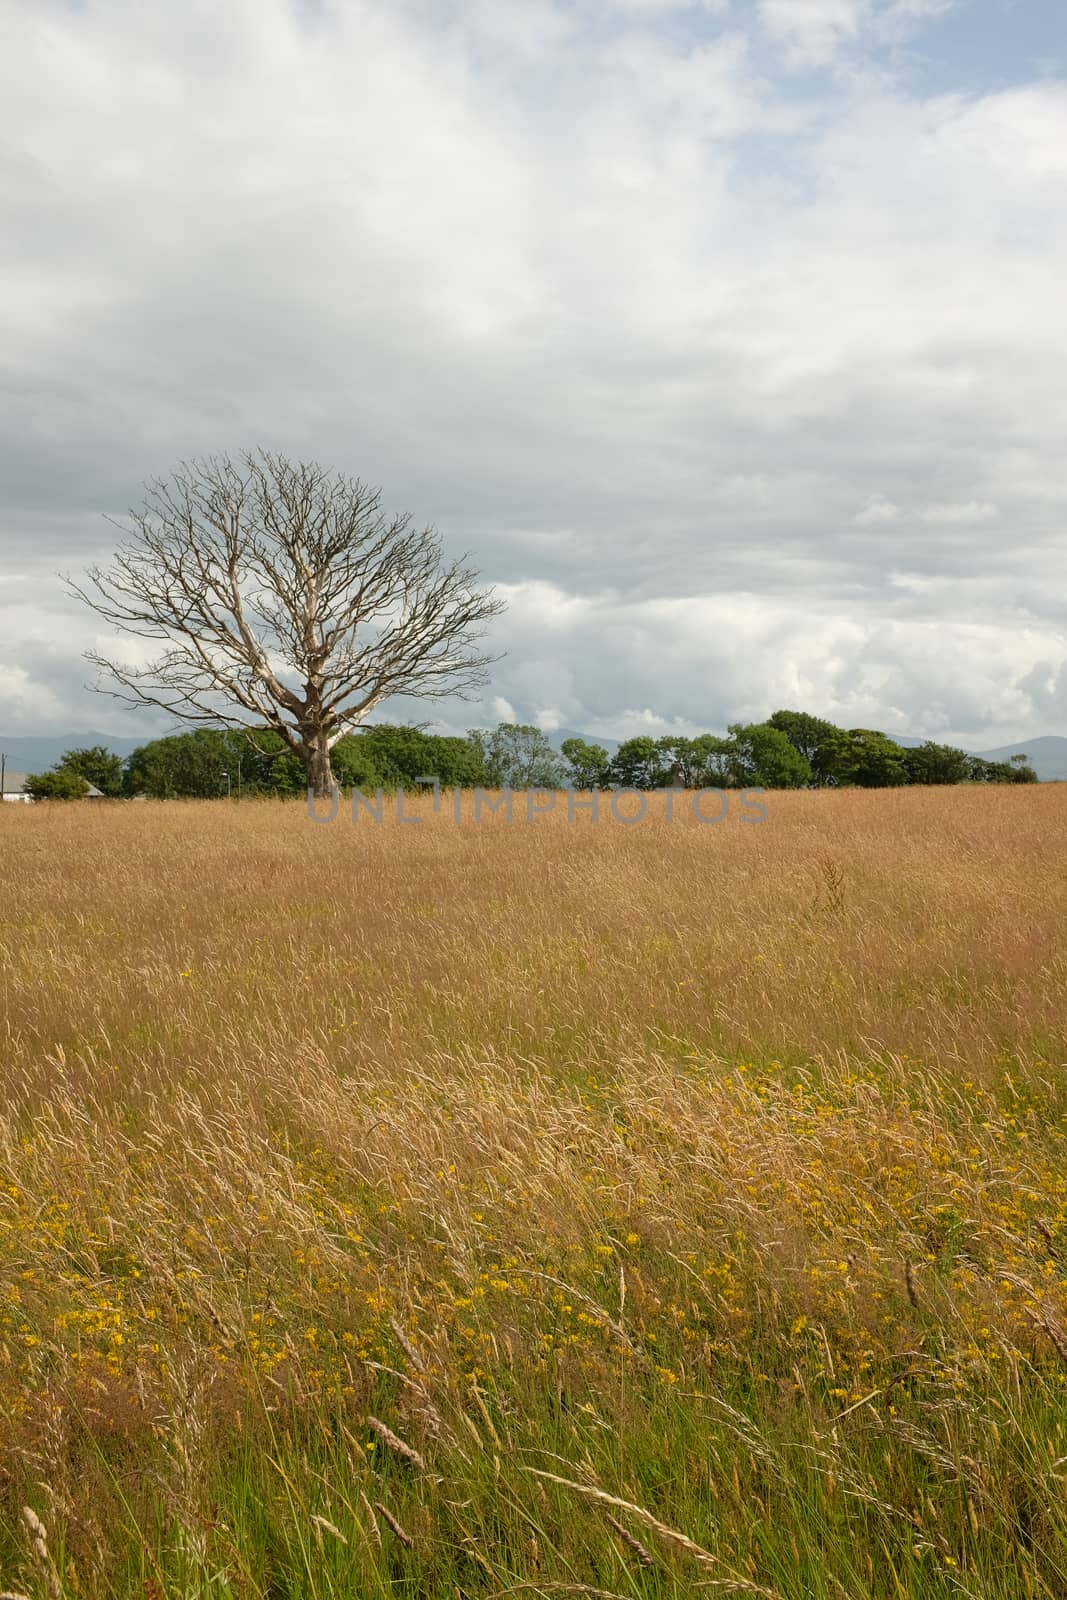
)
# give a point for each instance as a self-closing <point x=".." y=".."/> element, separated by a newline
<point x="716" y="1173"/>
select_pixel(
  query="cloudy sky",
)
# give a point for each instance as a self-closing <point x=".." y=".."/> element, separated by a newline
<point x="730" y="337"/>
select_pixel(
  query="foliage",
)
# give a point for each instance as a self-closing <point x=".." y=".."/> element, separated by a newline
<point x="935" y="763"/>
<point x="872" y="760"/>
<point x="639" y="764"/>
<point x="195" y="765"/>
<point x="97" y="765"/>
<point x="215" y="762"/>
<point x="765" y="758"/>
<point x="188" y="765"/>
<point x="517" y="755"/>
<point x="807" y="734"/>
<point x="1020" y="768"/>
<point x="863" y="757"/>
<point x="262" y="763"/>
<point x="588" y="763"/>
<point x="711" y="760"/>
<point x="402" y="755"/>
<point x="59" y="784"/>
<point x="703" y="762"/>
<point x="1017" y="770"/>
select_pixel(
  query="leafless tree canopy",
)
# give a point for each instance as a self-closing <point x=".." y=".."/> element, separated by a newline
<point x="285" y="598"/>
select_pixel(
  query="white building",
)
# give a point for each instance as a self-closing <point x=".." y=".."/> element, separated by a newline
<point x="14" y="788"/>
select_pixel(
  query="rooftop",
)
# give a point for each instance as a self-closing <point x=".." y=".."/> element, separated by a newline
<point x="15" y="783"/>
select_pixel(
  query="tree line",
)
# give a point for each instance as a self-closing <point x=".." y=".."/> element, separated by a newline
<point x="288" y="605"/>
<point x="791" y="750"/>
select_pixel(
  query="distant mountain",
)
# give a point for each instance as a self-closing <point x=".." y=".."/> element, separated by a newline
<point x="1048" y="756"/>
<point x="38" y="752"/>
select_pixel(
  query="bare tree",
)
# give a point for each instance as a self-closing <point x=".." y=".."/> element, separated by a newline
<point x="285" y="599"/>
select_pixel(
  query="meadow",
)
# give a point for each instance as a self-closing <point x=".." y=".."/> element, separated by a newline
<point x="538" y="1209"/>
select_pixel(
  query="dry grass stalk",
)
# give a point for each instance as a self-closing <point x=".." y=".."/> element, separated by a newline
<point x="408" y="1348"/>
<point x="634" y="1545"/>
<point x="39" y="1549"/>
<point x="668" y="1534"/>
<point x="557" y="1588"/>
<point x="472" y="1089"/>
<point x="328" y="1527"/>
<point x="578" y="1294"/>
<point x="387" y="1517"/>
<point x="395" y="1443"/>
<point x="425" y="1406"/>
<point x="1056" y="1334"/>
<point x="375" y="1531"/>
<point x="743" y="1586"/>
<point x="479" y="1400"/>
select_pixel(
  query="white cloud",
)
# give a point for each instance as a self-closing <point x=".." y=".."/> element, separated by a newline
<point x="902" y="18"/>
<point x="814" y="33"/>
<point x="709" y="659"/>
<point x="596" y="289"/>
<point x="877" y="509"/>
<point x="662" y="8"/>
<point x="813" y="30"/>
<point x="529" y="28"/>
<point x="969" y="514"/>
<point x="26" y="702"/>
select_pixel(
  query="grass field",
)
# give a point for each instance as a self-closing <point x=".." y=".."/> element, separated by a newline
<point x="540" y="1209"/>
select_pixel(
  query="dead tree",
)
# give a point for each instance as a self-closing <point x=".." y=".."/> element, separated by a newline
<point x="285" y="599"/>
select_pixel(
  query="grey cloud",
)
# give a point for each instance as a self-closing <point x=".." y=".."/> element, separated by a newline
<point x="613" y="344"/>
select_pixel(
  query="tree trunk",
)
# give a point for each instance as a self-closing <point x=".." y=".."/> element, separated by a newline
<point x="316" y="753"/>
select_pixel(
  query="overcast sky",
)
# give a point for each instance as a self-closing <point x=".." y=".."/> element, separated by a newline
<point x="730" y="337"/>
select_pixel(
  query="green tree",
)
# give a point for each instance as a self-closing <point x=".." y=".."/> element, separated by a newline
<point x="97" y="765"/>
<point x="863" y="757"/>
<point x="402" y="755"/>
<point x="263" y="764"/>
<point x="817" y="740"/>
<point x="804" y="732"/>
<point x="833" y="759"/>
<point x="185" y="766"/>
<point x="589" y="763"/>
<point x="935" y="763"/>
<point x="1017" y="770"/>
<point x="713" y="761"/>
<point x="874" y="760"/>
<point x="355" y="766"/>
<point x="679" y="760"/>
<point x="639" y="764"/>
<point x="980" y="771"/>
<point x="765" y="758"/>
<point x="59" y="784"/>
<point x="518" y="756"/>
